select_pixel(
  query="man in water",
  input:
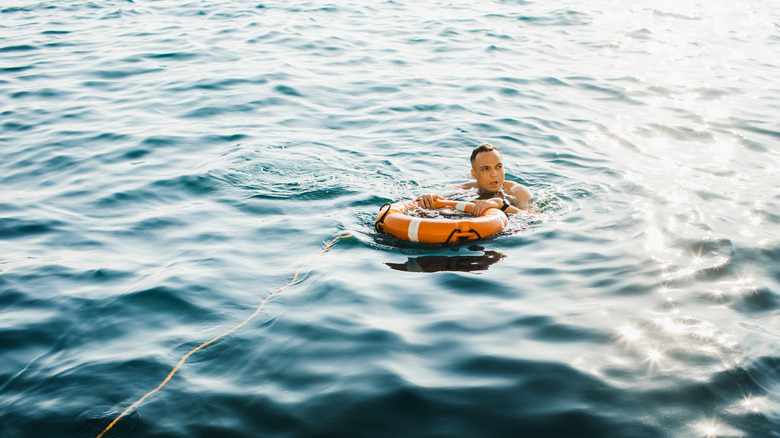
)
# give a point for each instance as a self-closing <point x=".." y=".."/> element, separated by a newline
<point x="487" y="168"/>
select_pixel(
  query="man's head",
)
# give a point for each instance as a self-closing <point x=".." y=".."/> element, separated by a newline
<point x="487" y="167"/>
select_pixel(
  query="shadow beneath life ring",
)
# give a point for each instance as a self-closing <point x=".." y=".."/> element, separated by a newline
<point x="439" y="263"/>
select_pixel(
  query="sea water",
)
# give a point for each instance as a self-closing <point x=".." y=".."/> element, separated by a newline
<point x="165" y="166"/>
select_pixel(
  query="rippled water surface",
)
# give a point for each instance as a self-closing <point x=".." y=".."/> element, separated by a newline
<point x="165" y="166"/>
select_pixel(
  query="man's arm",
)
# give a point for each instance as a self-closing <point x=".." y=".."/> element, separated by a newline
<point x="518" y="196"/>
<point x="426" y="200"/>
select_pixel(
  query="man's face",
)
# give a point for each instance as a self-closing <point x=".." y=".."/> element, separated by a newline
<point x="488" y="170"/>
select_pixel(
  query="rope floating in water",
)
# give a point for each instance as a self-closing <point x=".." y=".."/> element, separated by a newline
<point x="328" y="246"/>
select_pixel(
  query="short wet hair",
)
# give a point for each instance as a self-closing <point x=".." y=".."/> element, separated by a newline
<point x="484" y="147"/>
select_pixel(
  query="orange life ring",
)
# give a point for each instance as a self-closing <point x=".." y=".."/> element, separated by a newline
<point x="394" y="220"/>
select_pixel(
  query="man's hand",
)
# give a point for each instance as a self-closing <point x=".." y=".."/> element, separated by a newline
<point x="480" y="205"/>
<point x="426" y="201"/>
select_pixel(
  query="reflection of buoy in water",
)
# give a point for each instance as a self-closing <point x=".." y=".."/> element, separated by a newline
<point x="439" y="263"/>
<point x="393" y="219"/>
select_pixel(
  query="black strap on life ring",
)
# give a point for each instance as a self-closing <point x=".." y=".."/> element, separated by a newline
<point x="382" y="218"/>
<point x="461" y="238"/>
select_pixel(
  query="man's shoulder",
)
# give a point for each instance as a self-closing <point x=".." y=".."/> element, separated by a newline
<point x="511" y="185"/>
<point x="521" y="194"/>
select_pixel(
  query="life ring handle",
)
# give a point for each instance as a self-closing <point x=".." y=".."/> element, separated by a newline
<point x="461" y="235"/>
<point x="383" y="216"/>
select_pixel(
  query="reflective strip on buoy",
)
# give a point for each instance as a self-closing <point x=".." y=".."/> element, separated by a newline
<point x="414" y="228"/>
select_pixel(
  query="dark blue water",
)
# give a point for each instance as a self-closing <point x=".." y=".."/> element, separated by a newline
<point x="165" y="166"/>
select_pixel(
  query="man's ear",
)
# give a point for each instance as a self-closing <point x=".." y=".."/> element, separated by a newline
<point x="473" y="173"/>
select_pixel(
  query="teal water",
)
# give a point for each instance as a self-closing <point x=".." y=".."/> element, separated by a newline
<point x="165" y="166"/>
